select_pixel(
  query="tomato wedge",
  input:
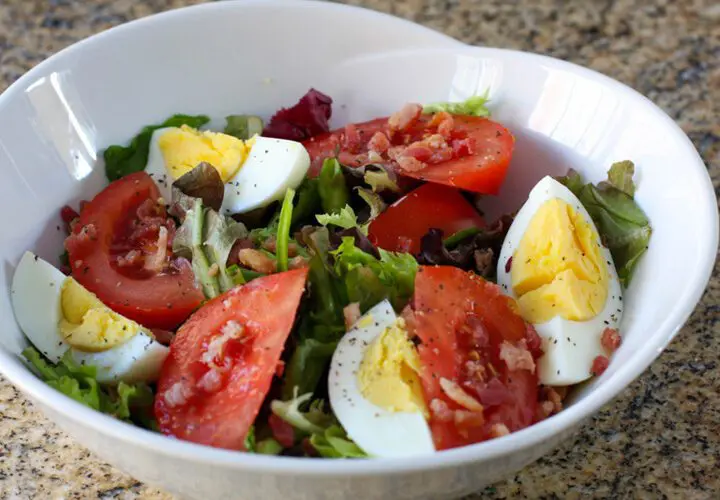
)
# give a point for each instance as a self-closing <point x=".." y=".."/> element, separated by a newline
<point x="431" y="206"/>
<point x="124" y="220"/>
<point x="223" y="360"/>
<point x="477" y="159"/>
<point x="472" y="341"/>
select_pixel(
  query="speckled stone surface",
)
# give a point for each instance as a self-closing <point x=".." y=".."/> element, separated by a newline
<point x="661" y="437"/>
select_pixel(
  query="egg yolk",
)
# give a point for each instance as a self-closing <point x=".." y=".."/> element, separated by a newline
<point x="88" y="324"/>
<point x="388" y="375"/>
<point x="185" y="147"/>
<point x="558" y="268"/>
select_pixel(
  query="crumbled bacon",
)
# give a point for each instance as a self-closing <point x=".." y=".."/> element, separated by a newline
<point x="410" y="164"/>
<point x="404" y="118"/>
<point x="610" y="340"/>
<point x="256" y="260"/>
<point x="493" y="393"/>
<point x="179" y="394"/>
<point x="156" y="262"/>
<point x="270" y="245"/>
<point x="441" y="411"/>
<point x="352" y="141"/>
<point x="352" y="314"/>
<point x="298" y="262"/>
<point x="499" y="430"/>
<point x="534" y="342"/>
<point x="599" y="365"/>
<point x="517" y="357"/>
<point x="550" y="402"/>
<point x="280" y="368"/>
<point x="379" y="143"/>
<point x="444" y="123"/>
<point x="459" y="396"/>
<point x="211" y="381"/>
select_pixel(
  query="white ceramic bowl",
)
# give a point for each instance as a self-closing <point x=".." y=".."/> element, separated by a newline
<point x="255" y="56"/>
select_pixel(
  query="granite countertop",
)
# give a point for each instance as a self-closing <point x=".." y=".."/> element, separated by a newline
<point x="661" y="437"/>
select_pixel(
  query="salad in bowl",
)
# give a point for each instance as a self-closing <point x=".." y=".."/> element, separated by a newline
<point x="280" y="288"/>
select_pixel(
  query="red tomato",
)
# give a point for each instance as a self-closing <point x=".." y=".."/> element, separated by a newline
<point x="463" y="322"/>
<point x="412" y="216"/>
<point x="223" y="360"/>
<point x="479" y="163"/>
<point x="125" y="220"/>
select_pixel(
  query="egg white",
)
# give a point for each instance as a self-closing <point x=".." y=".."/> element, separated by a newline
<point x="36" y="292"/>
<point x="569" y="346"/>
<point x="155" y="166"/>
<point x="377" y="431"/>
<point x="273" y="166"/>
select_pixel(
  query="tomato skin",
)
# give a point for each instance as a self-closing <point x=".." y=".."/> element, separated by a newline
<point x="155" y="301"/>
<point x="483" y="170"/>
<point x="447" y="300"/>
<point x="265" y="308"/>
<point x="431" y="206"/>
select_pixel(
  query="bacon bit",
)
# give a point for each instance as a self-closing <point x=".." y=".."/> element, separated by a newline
<point x="178" y="395"/>
<point x="599" y="365"/>
<point x="610" y="340"/>
<point x="554" y="398"/>
<point x="475" y="369"/>
<point x="379" y="143"/>
<point x="131" y="259"/>
<point x="410" y="164"/>
<point x="402" y="119"/>
<point x="256" y="260"/>
<point x="232" y="330"/>
<point x="517" y="357"/>
<point x="214" y="270"/>
<point x="462" y="147"/>
<point x="544" y="410"/>
<point x="499" y="430"/>
<point x="237" y="246"/>
<point x="280" y="368"/>
<point x="550" y="402"/>
<point x="352" y="314"/>
<point x="444" y="123"/>
<point x="211" y="381"/>
<point x="68" y="214"/>
<point x="534" y="342"/>
<point x="458" y="395"/>
<point x="156" y="261"/>
<point x="298" y="262"/>
<point x="352" y="139"/>
<point x="561" y="391"/>
<point x="270" y="245"/>
<point x="440" y="411"/>
<point x="493" y="393"/>
<point x="474" y="327"/>
<point x="465" y="419"/>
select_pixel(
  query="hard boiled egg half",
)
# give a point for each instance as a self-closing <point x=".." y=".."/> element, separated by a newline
<point x="255" y="172"/>
<point x="58" y="314"/>
<point x="563" y="279"/>
<point x="375" y="390"/>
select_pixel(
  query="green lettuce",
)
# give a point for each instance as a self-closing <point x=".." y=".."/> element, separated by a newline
<point x="123" y="160"/>
<point x="308" y="201"/>
<point x="332" y="187"/>
<point x="267" y="446"/>
<point x="283" y="230"/>
<point x="624" y="228"/>
<point x="344" y="218"/>
<point x="128" y="402"/>
<point x="369" y="280"/>
<point x="325" y="433"/>
<point x="321" y="323"/>
<point x="473" y="106"/>
<point x="243" y="126"/>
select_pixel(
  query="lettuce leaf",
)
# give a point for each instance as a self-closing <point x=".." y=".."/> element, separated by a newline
<point x="326" y="435"/>
<point x="335" y="443"/>
<point x="283" y="230"/>
<point x="345" y="218"/>
<point x="123" y="160"/>
<point x="203" y="182"/>
<point x="243" y="126"/>
<point x="308" y="201"/>
<point x="473" y="106"/>
<point x="332" y="188"/>
<point x="624" y="228"/>
<point x="220" y="235"/>
<point x="128" y="402"/>
<point x="369" y="280"/>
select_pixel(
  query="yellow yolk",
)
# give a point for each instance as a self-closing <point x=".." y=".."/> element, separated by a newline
<point x="558" y="269"/>
<point x="388" y="375"/>
<point x="88" y="324"/>
<point x="183" y="148"/>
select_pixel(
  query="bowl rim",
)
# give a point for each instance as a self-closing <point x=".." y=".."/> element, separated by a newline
<point x="18" y="373"/>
